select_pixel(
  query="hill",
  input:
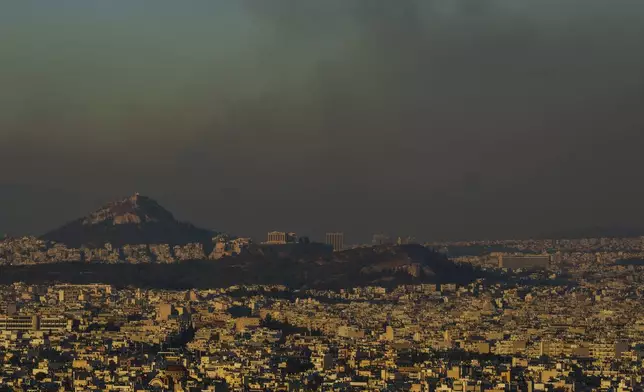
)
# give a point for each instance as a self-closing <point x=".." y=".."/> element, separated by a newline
<point x="133" y="220"/>
<point x="381" y="266"/>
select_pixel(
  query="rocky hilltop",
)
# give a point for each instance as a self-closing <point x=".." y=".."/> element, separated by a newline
<point x="134" y="220"/>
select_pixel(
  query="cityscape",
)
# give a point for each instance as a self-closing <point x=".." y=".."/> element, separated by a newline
<point x="321" y="195"/>
<point x="534" y="315"/>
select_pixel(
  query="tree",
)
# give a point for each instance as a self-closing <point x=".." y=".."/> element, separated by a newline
<point x="40" y="376"/>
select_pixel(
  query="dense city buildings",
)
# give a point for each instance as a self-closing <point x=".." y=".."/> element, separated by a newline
<point x="524" y="261"/>
<point x="575" y="325"/>
<point x="498" y="315"/>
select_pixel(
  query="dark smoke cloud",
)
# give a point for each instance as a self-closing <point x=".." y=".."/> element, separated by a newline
<point x="440" y="119"/>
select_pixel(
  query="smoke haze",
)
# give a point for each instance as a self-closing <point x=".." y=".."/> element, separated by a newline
<point x="438" y="119"/>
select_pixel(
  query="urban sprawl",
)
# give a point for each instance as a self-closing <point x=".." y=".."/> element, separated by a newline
<point x="573" y="321"/>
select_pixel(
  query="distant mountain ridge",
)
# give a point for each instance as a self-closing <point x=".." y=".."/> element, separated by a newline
<point x="597" y="232"/>
<point x="131" y="221"/>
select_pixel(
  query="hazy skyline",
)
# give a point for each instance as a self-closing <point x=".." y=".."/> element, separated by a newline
<point x="437" y="119"/>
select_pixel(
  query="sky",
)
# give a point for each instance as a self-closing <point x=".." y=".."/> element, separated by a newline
<point x="459" y="119"/>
